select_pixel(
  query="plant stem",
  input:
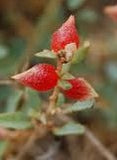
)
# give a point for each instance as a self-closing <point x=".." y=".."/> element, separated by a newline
<point x="6" y="82"/>
<point x="101" y="148"/>
<point x="52" y="100"/>
<point x="54" y="96"/>
<point x="93" y="139"/>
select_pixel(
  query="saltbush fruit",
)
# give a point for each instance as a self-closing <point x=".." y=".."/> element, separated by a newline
<point x="41" y="77"/>
<point x="81" y="90"/>
<point x="66" y="34"/>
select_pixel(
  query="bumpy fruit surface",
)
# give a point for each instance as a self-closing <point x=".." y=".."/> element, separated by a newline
<point x="66" y="34"/>
<point x="81" y="90"/>
<point x="41" y="77"/>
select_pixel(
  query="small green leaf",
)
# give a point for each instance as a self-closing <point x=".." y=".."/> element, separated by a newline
<point x="70" y="128"/>
<point x="60" y="99"/>
<point x="67" y="76"/>
<point x="80" y="105"/>
<point x="15" y="120"/>
<point x="46" y="54"/>
<point x="65" y="68"/>
<point x="81" y="53"/>
<point x="65" y="84"/>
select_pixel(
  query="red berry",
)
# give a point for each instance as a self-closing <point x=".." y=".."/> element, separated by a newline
<point x="81" y="90"/>
<point x="41" y="77"/>
<point x="66" y="34"/>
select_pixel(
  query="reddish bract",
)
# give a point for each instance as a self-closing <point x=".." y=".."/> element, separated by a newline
<point x="66" y="34"/>
<point x="41" y="77"/>
<point x="81" y="90"/>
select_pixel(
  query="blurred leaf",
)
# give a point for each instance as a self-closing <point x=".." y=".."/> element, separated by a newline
<point x="69" y="128"/>
<point x="80" y="105"/>
<point x="16" y="120"/>
<point x="3" y="51"/>
<point x="9" y="64"/>
<point x="13" y="100"/>
<point x="65" y="68"/>
<point x="74" y="4"/>
<point x="67" y="76"/>
<point x="32" y="103"/>
<point x="60" y="99"/>
<point x="46" y="54"/>
<point x="88" y="15"/>
<point x="111" y="71"/>
<point x="3" y="146"/>
<point x="65" y="84"/>
<point x="81" y="53"/>
<point x="17" y="46"/>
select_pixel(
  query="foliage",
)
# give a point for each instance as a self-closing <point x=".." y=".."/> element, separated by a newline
<point x="26" y="31"/>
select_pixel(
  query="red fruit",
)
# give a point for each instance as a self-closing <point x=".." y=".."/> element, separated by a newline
<point x="81" y="90"/>
<point x="41" y="77"/>
<point x="66" y="34"/>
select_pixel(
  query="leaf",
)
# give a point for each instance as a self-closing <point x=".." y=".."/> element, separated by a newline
<point x="3" y="51"/>
<point x="32" y="102"/>
<point x="111" y="71"/>
<point x="60" y="99"/>
<point x="13" y="100"/>
<point x="3" y="146"/>
<point x="80" y="105"/>
<point x="67" y="76"/>
<point x="81" y="53"/>
<point x="88" y="15"/>
<point x="64" y="84"/>
<point x="46" y="54"/>
<point x="74" y="4"/>
<point x="65" y="68"/>
<point x="15" y="120"/>
<point x="70" y="128"/>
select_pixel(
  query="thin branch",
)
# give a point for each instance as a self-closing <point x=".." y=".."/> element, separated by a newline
<point x="101" y="148"/>
<point x="6" y="82"/>
<point x="93" y="139"/>
<point x="53" y="97"/>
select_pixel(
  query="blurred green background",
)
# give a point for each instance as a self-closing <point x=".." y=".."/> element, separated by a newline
<point x="26" y="28"/>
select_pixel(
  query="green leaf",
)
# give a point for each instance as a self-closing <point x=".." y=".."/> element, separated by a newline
<point x="111" y="71"/>
<point x="3" y="51"/>
<point x="74" y="4"/>
<point x="3" y="147"/>
<point x="65" y="84"/>
<point x="13" y="100"/>
<point x="32" y="102"/>
<point x="70" y="128"/>
<point x="65" y="68"/>
<point x="88" y="15"/>
<point x="67" y="76"/>
<point x="60" y="99"/>
<point x="80" y="105"/>
<point x="46" y="54"/>
<point x="16" y="120"/>
<point x="81" y="53"/>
